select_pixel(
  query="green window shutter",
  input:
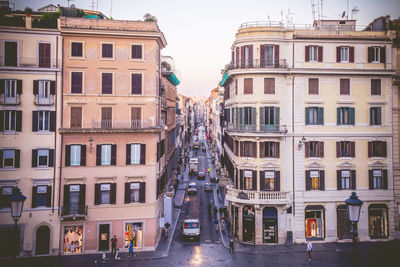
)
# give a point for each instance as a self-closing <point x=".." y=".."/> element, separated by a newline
<point x="262" y="115"/>
<point x="307" y="116"/>
<point x="351" y="116"/>
<point x="253" y="116"/>
<point x="241" y="116"/>
<point x="371" y="111"/>
<point x="276" y="117"/>
<point x="320" y="116"/>
<point x="338" y="117"/>
<point x="378" y="117"/>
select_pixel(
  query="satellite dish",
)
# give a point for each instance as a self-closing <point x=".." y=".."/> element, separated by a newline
<point x="343" y="14"/>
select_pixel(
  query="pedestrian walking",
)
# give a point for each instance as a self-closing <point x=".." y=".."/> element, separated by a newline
<point x="131" y="251"/>
<point x="216" y="225"/>
<point x="231" y="245"/>
<point x="309" y="249"/>
<point x="166" y="229"/>
<point x="114" y="241"/>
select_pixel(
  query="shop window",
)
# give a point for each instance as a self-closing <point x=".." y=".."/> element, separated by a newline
<point x="134" y="234"/>
<point x="248" y="224"/>
<point x="73" y="239"/>
<point x="270" y="225"/>
<point x="343" y="223"/>
<point x="378" y="221"/>
<point x="315" y="220"/>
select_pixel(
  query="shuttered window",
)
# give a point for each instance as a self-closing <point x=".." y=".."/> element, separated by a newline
<point x="107" y="50"/>
<point x="76" y="117"/>
<point x="377" y="149"/>
<point x="248" y="86"/>
<point x="9" y="158"/>
<point x="314" y="116"/>
<point x="106" y="118"/>
<point x="41" y="196"/>
<point x="105" y="194"/>
<point x="375" y="86"/>
<point x="136" y="117"/>
<point x="346" y="179"/>
<point x="375" y="116"/>
<point x="345" y="149"/>
<point x="344" y="86"/>
<point x="345" y="116"/>
<point x="269" y="86"/>
<point x="106" y="83"/>
<point x="270" y="180"/>
<point x="135" y="192"/>
<point x="44" y="55"/>
<point x="137" y="52"/>
<point x="136" y="88"/>
<point x="249" y="149"/>
<point x="378" y="179"/>
<point x="10" y="120"/>
<point x="10" y="53"/>
<point x="313" y="88"/>
<point x="315" y="180"/>
<point x="135" y="154"/>
<point x="376" y="54"/>
<point x="314" y="149"/>
<point x="76" y="82"/>
<point x="269" y="149"/>
<point x="76" y="49"/>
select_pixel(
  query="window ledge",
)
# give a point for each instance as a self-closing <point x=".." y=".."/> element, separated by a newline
<point x="345" y="126"/>
<point x="43" y="168"/>
<point x="44" y="132"/>
<point x="377" y="158"/>
<point x="137" y="59"/>
<point x="345" y="158"/>
<point x="314" y="125"/>
<point x="314" y="158"/>
<point x="8" y="169"/>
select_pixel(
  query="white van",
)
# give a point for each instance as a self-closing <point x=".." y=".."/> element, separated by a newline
<point x="191" y="229"/>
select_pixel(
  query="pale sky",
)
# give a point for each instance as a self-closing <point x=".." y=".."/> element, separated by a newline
<point x="200" y="33"/>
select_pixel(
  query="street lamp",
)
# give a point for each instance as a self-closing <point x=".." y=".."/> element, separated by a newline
<point x="17" y="203"/>
<point x="354" y="207"/>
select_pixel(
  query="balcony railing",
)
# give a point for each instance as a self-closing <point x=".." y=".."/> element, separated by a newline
<point x="122" y="124"/>
<point x="252" y="128"/>
<point x="29" y="62"/>
<point x="74" y="213"/>
<point x="257" y="63"/>
<point x="257" y="197"/>
<point x="16" y="100"/>
<point x="44" y="101"/>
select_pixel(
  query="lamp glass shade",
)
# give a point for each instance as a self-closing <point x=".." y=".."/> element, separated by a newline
<point x="16" y="208"/>
<point x="354" y="213"/>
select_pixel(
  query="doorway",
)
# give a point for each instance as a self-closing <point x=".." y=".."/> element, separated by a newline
<point x="249" y="224"/>
<point x="270" y="225"/>
<point x="104" y="237"/>
<point x="42" y="240"/>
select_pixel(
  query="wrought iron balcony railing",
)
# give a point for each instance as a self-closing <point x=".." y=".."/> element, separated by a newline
<point x="257" y="63"/>
<point x="74" y="213"/>
<point x="15" y="100"/>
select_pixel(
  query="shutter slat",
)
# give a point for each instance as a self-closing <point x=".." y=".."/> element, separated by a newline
<point x="353" y="180"/>
<point x="113" y="155"/>
<point x="83" y="155"/>
<point x="142" y="192"/>
<point x="142" y="153"/>
<point x="67" y="155"/>
<point x="338" y="179"/>
<point x="277" y="181"/>
<point x="113" y="193"/>
<point x="321" y="180"/>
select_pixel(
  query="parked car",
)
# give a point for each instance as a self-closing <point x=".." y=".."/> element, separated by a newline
<point x="201" y="175"/>
<point x="192" y="188"/>
<point x="208" y="187"/>
<point x="191" y="229"/>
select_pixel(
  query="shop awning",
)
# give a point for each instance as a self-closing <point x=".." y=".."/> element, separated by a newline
<point x="173" y="79"/>
<point x="224" y="78"/>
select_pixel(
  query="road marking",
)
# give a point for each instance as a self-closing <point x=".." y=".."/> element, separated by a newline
<point x="208" y="241"/>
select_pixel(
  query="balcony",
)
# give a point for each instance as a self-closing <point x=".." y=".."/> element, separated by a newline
<point x="122" y="124"/>
<point x="73" y="214"/>
<point x="257" y="64"/>
<point x="163" y="101"/>
<point x="44" y="101"/>
<point x="29" y="62"/>
<point x="257" y="197"/>
<point x="252" y="128"/>
<point x="5" y="100"/>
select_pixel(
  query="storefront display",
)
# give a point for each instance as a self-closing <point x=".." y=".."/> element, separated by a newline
<point x="248" y="224"/>
<point x="73" y="238"/>
<point x="377" y="220"/>
<point x="134" y="232"/>
<point x="314" y="220"/>
<point x="270" y="225"/>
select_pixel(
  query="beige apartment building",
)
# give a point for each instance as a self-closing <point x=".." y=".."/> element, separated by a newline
<point x="308" y="121"/>
<point x="396" y="139"/>
<point x="113" y="136"/>
<point x="30" y="82"/>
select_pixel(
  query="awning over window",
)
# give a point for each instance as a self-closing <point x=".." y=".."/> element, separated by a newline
<point x="173" y="79"/>
<point x="314" y="207"/>
<point x="224" y="78"/>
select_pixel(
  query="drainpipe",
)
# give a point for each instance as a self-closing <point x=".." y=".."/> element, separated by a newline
<point x="55" y="133"/>
<point x="294" y="194"/>
<point x="61" y="119"/>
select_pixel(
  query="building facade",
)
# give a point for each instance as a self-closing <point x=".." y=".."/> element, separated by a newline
<point x="113" y="137"/>
<point x="30" y="82"/>
<point x="309" y="120"/>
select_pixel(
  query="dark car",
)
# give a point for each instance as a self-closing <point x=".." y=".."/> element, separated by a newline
<point x="201" y="175"/>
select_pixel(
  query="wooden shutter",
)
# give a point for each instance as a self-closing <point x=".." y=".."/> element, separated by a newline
<point x="369" y="149"/>
<point x="128" y="153"/>
<point x="352" y="149"/>
<point x="321" y="180"/>
<point x="262" y="180"/>
<point x="82" y="197"/>
<point x="34" y="196"/>
<point x="242" y="58"/>
<point x="106" y="83"/>
<point x="321" y="149"/>
<point x="233" y="57"/>
<point x="10" y="53"/>
<point x="158" y="151"/>
<point x="385" y="179"/>
<point x="352" y="116"/>
<point x="241" y="178"/>
<point x="136" y="84"/>
<point x="98" y="155"/>
<point x="67" y="155"/>
<point x="370" y="54"/>
<point x="277" y="181"/>
<point x="48" y="196"/>
<point x="308" y="181"/>
<point x="142" y="153"/>
<point x="107" y="50"/>
<point x="277" y="149"/>
<point x="351" y="54"/>
<point x="269" y="85"/>
<point x="113" y="155"/>
<point x="127" y="192"/>
<point x="338" y="54"/>
<point x="338" y="150"/>
<point x="2" y="86"/>
<point x="254" y="145"/>
<point x="338" y="117"/>
<point x="83" y="155"/>
<point x="276" y="55"/>
<point x="2" y="120"/>
<point x="320" y="116"/>
<point x="339" y="179"/>
<point x="44" y="55"/>
<point x="307" y="53"/>
<point x="262" y="149"/>
<point x="113" y="193"/>
<point x="17" y="158"/>
<point x="237" y="57"/>
<point x="97" y="194"/>
<point x="262" y="56"/>
<point x="307" y="116"/>
<point x="19" y="87"/>
<point x="76" y="117"/>
<point x="76" y="82"/>
<point x="383" y="54"/>
<point x="18" y="125"/>
<point x="250" y="47"/>
<point x="320" y="53"/>
<point x="254" y="180"/>
<point x="52" y="87"/>
<point x="276" y="117"/>
<point x="52" y="121"/>
<point x="66" y="198"/>
<point x="384" y="149"/>
<point x="353" y="179"/>
<point x="142" y="192"/>
<point x="371" y="179"/>
<point x="35" y="115"/>
<point x="51" y="157"/>
<point x="307" y="149"/>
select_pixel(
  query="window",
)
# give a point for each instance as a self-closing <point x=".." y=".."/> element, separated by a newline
<point x="249" y="182"/>
<point x="76" y="49"/>
<point x="135" y="154"/>
<point x="344" y="86"/>
<point x="346" y="179"/>
<point x="106" y="83"/>
<point x="42" y="158"/>
<point x="248" y="86"/>
<point x="74" y="200"/>
<point x="107" y="50"/>
<point x="10" y="120"/>
<point x="106" y="118"/>
<point x="44" y="55"/>
<point x="345" y="116"/>
<point x="375" y="116"/>
<point x="314" y="116"/>
<point x="10" y="53"/>
<point x="377" y="149"/>
<point x="267" y="55"/>
<point x="76" y="82"/>
<point x="43" y="92"/>
<point x="105" y="154"/>
<point x="75" y="155"/>
<point x="5" y="193"/>
<point x="313" y="86"/>
<point x="315" y="180"/>
<point x="269" y="119"/>
<point x="10" y="89"/>
<point x="43" y="120"/>
<point x="137" y="52"/>
<point x="313" y="51"/>
<point x="248" y="149"/>
<point x="344" y="54"/>
<point x="136" y="88"/>
<point x="376" y="54"/>
<point x="135" y="192"/>
<point x="41" y="196"/>
<point x="105" y="194"/>
<point x="345" y="149"/>
<point x="378" y="179"/>
<point x="269" y="86"/>
<point x="375" y="86"/>
<point x="9" y="158"/>
<point x="136" y="115"/>
<point x="269" y="149"/>
<point x="269" y="181"/>
<point x="76" y="117"/>
<point x="314" y="149"/>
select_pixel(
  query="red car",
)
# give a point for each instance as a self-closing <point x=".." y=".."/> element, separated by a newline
<point x="201" y="175"/>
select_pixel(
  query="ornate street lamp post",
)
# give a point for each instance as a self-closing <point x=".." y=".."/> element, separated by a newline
<point x="17" y="203"/>
<point x="354" y="207"/>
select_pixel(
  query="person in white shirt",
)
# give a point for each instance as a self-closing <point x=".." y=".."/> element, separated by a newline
<point x="309" y="249"/>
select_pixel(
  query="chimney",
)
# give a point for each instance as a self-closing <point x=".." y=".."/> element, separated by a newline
<point x="28" y="21"/>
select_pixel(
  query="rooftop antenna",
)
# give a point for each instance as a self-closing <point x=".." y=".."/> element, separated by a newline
<point x="313" y="9"/>
<point x="354" y="11"/>
<point x="347" y="14"/>
<point x="322" y="9"/>
<point x="95" y="5"/>
<point x="111" y="8"/>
